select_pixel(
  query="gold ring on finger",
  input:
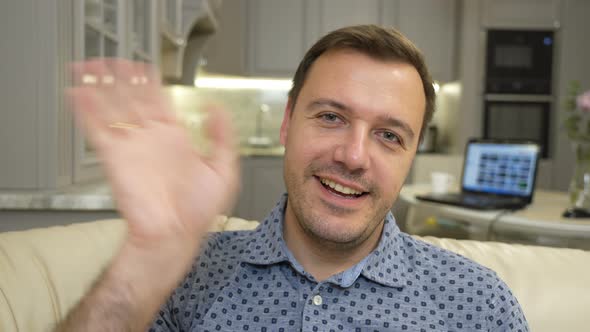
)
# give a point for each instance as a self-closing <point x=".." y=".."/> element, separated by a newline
<point x="124" y="125"/>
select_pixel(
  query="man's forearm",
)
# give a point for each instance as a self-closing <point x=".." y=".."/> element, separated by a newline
<point x="129" y="293"/>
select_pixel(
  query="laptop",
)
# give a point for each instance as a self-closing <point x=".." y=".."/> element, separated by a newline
<point x="496" y="175"/>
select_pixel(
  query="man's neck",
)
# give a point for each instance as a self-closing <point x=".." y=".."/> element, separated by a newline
<point x="321" y="258"/>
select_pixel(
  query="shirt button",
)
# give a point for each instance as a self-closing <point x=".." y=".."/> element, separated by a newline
<point x="317" y="300"/>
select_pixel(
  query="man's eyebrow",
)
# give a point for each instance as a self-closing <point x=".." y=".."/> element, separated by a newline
<point x="319" y="103"/>
<point x="389" y="121"/>
<point x="397" y="123"/>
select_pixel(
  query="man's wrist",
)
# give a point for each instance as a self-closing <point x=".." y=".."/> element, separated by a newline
<point x="133" y="288"/>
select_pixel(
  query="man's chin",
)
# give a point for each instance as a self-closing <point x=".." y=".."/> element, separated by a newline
<point x="337" y="229"/>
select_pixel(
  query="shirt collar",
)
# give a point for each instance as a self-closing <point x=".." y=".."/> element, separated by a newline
<point x="265" y="245"/>
<point x="384" y="265"/>
<point x="387" y="264"/>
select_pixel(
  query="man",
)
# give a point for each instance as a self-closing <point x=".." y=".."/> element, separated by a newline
<point x="329" y="256"/>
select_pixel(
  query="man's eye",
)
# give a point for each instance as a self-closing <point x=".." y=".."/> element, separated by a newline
<point x="330" y="117"/>
<point x="390" y="137"/>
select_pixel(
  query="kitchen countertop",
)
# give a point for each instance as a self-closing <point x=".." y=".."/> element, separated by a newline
<point x="92" y="196"/>
<point x="88" y="197"/>
<point x="277" y="151"/>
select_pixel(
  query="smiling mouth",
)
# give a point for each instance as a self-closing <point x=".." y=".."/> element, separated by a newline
<point x="339" y="189"/>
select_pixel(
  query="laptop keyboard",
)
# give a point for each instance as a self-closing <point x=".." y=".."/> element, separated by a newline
<point x="477" y="200"/>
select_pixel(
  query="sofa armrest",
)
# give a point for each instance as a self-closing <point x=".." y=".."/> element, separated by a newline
<point x="44" y="272"/>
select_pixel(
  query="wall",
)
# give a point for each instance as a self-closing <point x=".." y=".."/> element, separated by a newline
<point x="572" y="64"/>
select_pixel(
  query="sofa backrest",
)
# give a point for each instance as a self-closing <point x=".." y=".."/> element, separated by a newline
<point x="44" y="272"/>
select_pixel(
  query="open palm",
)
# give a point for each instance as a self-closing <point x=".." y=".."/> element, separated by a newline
<point x="163" y="187"/>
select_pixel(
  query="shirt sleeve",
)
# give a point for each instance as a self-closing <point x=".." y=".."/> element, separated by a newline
<point x="506" y="312"/>
<point x="165" y="320"/>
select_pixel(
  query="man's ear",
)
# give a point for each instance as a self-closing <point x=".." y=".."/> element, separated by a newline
<point x="285" y="124"/>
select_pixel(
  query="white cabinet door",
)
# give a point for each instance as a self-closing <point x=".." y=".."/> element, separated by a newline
<point x="430" y="24"/>
<point x="324" y="16"/>
<point x="275" y="37"/>
<point x="522" y="13"/>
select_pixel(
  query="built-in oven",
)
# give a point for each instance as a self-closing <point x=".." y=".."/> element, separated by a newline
<point x="519" y="61"/>
<point x="518" y="86"/>
<point x="518" y="117"/>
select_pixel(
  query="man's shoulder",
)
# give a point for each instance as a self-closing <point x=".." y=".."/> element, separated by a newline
<point x="227" y="243"/>
<point x="220" y="255"/>
<point x="424" y="256"/>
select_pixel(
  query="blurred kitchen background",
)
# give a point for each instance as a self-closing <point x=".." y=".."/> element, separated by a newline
<point x="242" y="54"/>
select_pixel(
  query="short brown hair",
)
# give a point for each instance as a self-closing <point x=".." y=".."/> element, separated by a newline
<point x="381" y="43"/>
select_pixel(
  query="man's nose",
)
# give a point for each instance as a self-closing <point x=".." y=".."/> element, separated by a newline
<point x="353" y="151"/>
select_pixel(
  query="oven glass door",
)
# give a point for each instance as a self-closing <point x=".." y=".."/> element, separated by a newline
<point x="518" y="120"/>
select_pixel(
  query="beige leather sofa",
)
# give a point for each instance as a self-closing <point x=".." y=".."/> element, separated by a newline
<point x="43" y="273"/>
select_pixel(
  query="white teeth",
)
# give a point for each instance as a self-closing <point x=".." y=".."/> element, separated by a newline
<point x="340" y="188"/>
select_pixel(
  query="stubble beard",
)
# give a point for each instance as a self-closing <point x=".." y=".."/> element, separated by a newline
<point x="318" y="227"/>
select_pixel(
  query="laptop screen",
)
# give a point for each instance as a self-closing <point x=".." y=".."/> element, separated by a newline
<point x="500" y="168"/>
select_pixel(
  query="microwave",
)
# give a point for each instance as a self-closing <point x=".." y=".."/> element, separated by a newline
<point x="519" y="61"/>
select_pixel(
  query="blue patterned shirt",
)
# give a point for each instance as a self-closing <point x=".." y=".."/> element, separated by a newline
<point x="249" y="281"/>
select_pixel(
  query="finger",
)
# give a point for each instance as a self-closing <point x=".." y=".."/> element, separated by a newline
<point x="141" y="82"/>
<point x="84" y="104"/>
<point x="95" y="77"/>
<point x="156" y="102"/>
<point x="221" y="134"/>
<point x="127" y="92"/>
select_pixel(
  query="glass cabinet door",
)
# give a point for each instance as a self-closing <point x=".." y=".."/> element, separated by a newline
<point x="142" y="30"/>
<point x="103" y="35"/>
<point x="99" y="32"/>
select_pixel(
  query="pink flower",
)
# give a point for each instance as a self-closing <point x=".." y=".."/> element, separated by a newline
<point x="583" y="101"/>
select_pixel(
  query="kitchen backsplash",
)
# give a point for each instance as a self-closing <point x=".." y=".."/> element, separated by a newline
<point x="243" y="104"/>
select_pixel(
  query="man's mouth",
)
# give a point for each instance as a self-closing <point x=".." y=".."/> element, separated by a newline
<point x="340" y="189"/>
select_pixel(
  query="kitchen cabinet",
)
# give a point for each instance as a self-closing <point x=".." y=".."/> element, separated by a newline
<point x="39" y="145"/>
<point x="172" y="42"/>
<point x="324" y="16"/>
<point x="143" y="31"/>
<point x="269" y="37"/>
<point x="275" y="37"/>
<point x="258" y="38"/>
<point x="262" y="185"/>
<point x="101" y="30"/>
<point x="111" y="28"/>
<point x="519" y="14"/>
<point x="34" y="133"/>
<point x="186" y="25"/>
<point x="431" y="25"/>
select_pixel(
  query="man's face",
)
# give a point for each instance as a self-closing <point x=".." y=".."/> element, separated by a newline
<point x="349" y="144"/>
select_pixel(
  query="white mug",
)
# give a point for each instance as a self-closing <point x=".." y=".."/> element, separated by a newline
<point x="441" y="182"/>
